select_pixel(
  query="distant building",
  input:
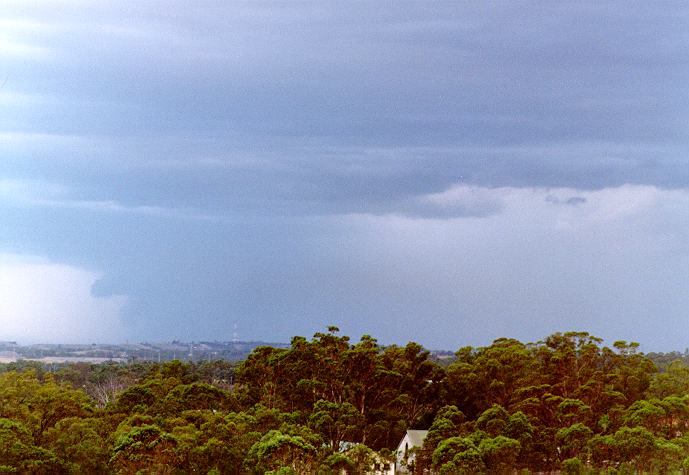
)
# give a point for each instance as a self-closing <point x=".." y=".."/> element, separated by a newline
<point x="406" y="454"/>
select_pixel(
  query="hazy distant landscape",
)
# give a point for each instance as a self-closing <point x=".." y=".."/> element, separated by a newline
<point x="130" y="353"/>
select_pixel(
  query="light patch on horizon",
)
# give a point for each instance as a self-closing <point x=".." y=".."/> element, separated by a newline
<point x="43" y="301"/>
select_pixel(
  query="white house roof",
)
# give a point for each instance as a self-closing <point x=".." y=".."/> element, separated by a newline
<point x="416" y="437"/>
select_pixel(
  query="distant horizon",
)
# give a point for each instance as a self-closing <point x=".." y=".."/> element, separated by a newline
<point x="353" y="340"/>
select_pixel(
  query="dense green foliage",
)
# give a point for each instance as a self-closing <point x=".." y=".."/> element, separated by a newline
<point x="328" y="405"/>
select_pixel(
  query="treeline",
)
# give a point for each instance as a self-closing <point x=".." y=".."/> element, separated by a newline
<point x="327" y="405"/>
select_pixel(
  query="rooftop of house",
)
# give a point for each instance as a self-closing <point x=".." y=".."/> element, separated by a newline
<point x="416" y="437"/>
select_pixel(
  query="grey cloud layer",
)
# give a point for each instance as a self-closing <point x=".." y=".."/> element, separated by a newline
<point x="520" y="94"/>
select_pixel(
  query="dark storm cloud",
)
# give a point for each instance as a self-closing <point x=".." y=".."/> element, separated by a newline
<point x="369" y="99"/>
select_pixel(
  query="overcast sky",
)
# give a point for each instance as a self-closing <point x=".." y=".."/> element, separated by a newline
<point x="447" y="173"/>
